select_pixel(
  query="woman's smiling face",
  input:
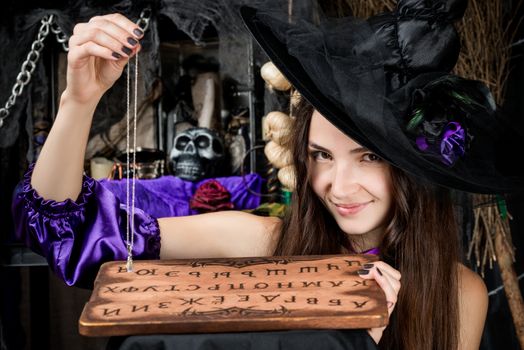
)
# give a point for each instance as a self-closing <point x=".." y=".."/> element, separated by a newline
<point x="353" y="183"/>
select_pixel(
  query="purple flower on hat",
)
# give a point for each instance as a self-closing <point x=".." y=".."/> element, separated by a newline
<point x="453" y="143"/>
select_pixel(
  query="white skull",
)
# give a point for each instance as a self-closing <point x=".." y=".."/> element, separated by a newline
<point x="196" y="153"/>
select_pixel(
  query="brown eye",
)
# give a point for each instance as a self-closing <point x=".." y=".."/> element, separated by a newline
<point x="320" y="155"/>
<point x="371" y="157"/>
<point x="324" y="155"/>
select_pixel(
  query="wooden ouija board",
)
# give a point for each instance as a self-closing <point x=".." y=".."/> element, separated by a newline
<point x="232" y="295"/>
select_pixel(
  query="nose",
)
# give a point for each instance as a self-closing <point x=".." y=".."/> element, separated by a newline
<point x="345" y="181"/>
<point x="190" y="148"/>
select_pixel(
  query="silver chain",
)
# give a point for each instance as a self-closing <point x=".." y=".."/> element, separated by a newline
<point x="130" y="231"/>
<point x="48" y="24"/>
<point x="61" y="37"/>
<point x="143" y="23"/>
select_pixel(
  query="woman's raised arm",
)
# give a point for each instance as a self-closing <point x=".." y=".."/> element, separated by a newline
<point x="98" y="53"/>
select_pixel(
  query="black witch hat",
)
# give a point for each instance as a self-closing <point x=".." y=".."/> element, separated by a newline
<point x="386" y="83"/>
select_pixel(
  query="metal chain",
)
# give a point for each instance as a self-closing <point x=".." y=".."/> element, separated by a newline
<point x="28" y="67"/>
<point x="61" y="37"/>
<point x="48" y="23"/>
<point x="145" y="17"/>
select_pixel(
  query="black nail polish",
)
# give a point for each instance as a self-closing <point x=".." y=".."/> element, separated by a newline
<point x="367" y="266"/>
<point x="126" y="50"/>
<point x="138" y="32"/>
<point x="363" y="272"/>
<point x="379" y="272"/>
<point x="116" y="55"/>
<point x="132" y="41"/>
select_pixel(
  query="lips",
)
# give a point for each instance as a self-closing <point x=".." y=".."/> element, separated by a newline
<point x="351" y="205"/>
<point x="350" y="209"/>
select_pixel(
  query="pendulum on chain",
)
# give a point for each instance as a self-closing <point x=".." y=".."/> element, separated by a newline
<point x="130" y="209"/>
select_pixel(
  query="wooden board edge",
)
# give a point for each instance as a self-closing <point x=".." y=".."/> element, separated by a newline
<point x="127" y="329"/>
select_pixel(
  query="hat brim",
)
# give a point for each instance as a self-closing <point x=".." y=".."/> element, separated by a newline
<point x="298" y="77"/>
<point x="294" y="71"/>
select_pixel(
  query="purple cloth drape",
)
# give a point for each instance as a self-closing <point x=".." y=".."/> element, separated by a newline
<point x="170" y="195"/>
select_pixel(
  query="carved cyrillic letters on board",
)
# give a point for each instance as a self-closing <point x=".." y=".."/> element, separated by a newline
<point x="237" y="294"/>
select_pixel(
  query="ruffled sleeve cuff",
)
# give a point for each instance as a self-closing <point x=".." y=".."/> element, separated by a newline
<point x="76" y="237"/>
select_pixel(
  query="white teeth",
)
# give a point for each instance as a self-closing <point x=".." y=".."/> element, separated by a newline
<point x="188" y="169"/>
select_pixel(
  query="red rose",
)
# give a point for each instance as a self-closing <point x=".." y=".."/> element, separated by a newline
<point x="211" y="196"/>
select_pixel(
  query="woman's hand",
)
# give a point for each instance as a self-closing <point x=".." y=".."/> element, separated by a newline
<point x="389" y="280"/>
<point x="98" y="53"/>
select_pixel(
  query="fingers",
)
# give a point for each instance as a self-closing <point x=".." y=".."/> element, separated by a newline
<point x="111" y="37"/>
<point x="388" y="268"/>
<point x="91" y="49"/>
<point x="124" y="23"/>
<point x="119" y="28"/>
<point x="387" y="278"/>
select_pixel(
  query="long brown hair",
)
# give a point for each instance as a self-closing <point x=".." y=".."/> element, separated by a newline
<point x="421" y="241"/>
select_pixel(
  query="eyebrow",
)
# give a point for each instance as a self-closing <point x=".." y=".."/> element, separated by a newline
<point x="353" y="151"/>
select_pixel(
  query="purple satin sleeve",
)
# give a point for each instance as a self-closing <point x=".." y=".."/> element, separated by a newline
<point x="78" y="236"/>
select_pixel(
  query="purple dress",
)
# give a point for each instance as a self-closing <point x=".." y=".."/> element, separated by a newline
<point x="78" y="236"/>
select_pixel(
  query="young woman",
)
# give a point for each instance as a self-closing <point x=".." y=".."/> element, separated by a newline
<point x="348" y="199"/>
